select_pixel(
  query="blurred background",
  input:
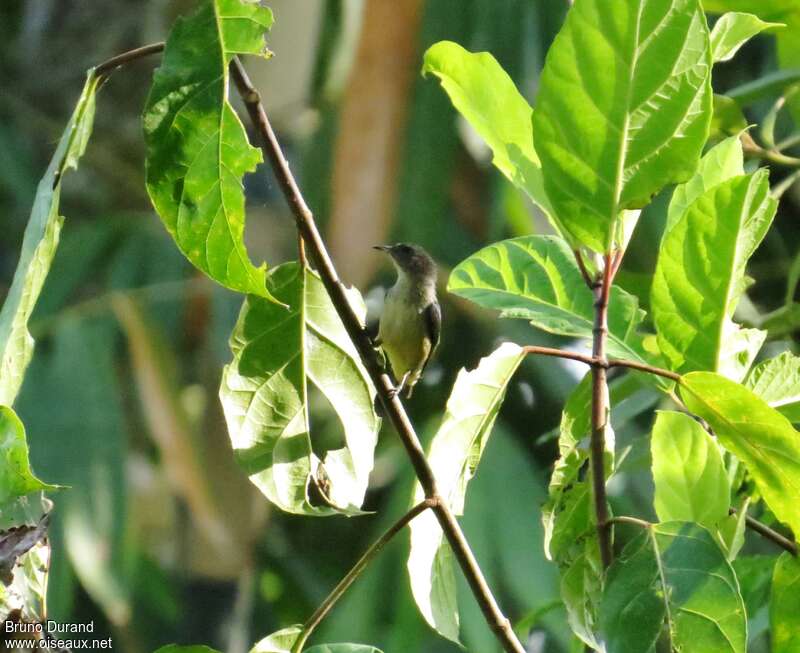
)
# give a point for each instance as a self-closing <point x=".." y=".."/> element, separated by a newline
<point x="121" y="402"/>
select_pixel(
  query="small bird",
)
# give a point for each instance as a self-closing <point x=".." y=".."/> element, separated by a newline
<point x="411" y="322"/>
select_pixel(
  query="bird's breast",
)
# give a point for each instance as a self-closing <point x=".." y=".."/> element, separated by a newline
<point x="402" y="333"/>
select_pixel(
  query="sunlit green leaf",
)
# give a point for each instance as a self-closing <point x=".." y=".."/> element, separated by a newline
<point x="39" y="246"/>
<point x="279" y="642"/>
<point x="536" y="278"/>
<point x="488" y="99"/>
<point x="756" y="434"/>
<point x="623" y="109"/>
<point x="197" y="148"/>
<point x="689" y="475"/>
<point x="673" y="572"/>
<point x="777" y="381"/>
<point x="722" y="162"/>
<point x="763" y="8"/>
<point x="783" y="605"/>
<point x="454" y="456"/>
<point x="16" y="477"/>
<point x="788" y="51"/>
<point x="732" y="31"/>
<point x="700" y="277"/>
<point x="263" y="393"/>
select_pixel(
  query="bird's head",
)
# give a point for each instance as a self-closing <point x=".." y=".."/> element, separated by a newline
<point x="411" y="260"/>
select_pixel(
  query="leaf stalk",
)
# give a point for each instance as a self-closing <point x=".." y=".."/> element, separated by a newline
<point x="325" y="607"/>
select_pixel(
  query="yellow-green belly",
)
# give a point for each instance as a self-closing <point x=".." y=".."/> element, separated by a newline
<point x="404" y="339"/>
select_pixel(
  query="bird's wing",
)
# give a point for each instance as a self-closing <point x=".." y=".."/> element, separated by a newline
<point x="432" y="320"/>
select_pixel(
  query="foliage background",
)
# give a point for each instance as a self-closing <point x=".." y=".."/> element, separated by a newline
<point x="161" y="537"/>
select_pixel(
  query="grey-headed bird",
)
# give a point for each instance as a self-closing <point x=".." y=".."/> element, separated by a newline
<point x="411" y="322"/>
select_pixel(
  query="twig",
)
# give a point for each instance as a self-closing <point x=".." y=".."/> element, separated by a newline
<point x="590" y="283"/>
<point x="394" y="408"/>
<point x="767" y="532"/>
<point x="595" y="362"/>
<point x="301" y="251"/>
<point x="600" y="411"/>
<point x="325" y="607"/>
<point x="109" y="66"/>
<point x="635" y="521"/>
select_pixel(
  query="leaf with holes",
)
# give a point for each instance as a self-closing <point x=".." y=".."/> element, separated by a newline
<point x="265" y="400"/>
<point x="623" y="109"/>
<point x="454" y="456"/>
<point x="756" y="434"/>
<point x="197" y="148"/>
<point x="676" y="573"/>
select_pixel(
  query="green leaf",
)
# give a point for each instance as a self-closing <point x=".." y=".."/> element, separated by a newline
<point x="673" y="572"/>
<point x="16" y="477"/>
<point x="777" y="381"/>
<point x="732" y="31"/>
<point x="570" y="537"/>
<point x="623" y="109"/>
<point x="728" y="119"/>
<point x="454" y="456"/>
<point x="783" y="605"/>
<point x="700" y="276"/>
<point x="264" y="395"/>
<point x="764" y="8"/>
<point x="689" y="475"/>
<point x="722" y="162"/>
<point x="176" y="648"/>
<point x="788" y="50"/>
<point x="756" y="434"/>
<point x="197" y="148"/>
<point x="279" y="642"/>
<point x="486" y="96"/>
<point x="343" y="648"/>
<point x="38" y="247"/>
<point x="536" y="278"/>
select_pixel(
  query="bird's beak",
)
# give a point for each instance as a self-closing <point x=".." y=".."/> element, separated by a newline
<point x="382" y="248"/>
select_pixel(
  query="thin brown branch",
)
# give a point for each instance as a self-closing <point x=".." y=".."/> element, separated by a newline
<point x="325" y="607"/>
<point x="392" y="405"/>
<point x="595" y="362"/>
<point x="768" y="533"/>
<point x="600" y="409"/>
<point x="590" y="283"/>
<point x="643" y="367"/>
<point x="109" y="66"/>
<point x="635" y="521"/>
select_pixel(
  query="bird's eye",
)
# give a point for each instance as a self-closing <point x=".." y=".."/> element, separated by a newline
<point x="405" y="249"/>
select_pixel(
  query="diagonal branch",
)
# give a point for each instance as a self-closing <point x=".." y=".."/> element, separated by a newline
<point x="765" y="531"/>
<point x="325" y="607"/>
<point x="309" y="234"/>
<point x="394" y="408"/>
